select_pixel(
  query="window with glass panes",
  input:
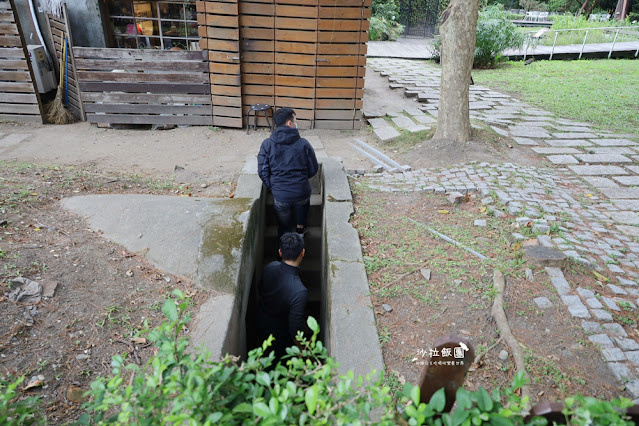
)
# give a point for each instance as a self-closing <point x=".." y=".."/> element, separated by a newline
<point x="143" y="24"/>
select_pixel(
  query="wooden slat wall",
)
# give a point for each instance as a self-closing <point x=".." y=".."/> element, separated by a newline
<point x="19" y="97"/>
<point x="257" y="34"/>
<point x="295" y="57"/>
<point x="137" y="86"/>
<point x="341" y="63"/>
<point x="305" y="54"/>
<point x="58" y="31"/>
<point x="219" y="37"/>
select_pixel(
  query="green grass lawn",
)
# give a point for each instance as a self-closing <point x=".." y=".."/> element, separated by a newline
<point x="604" y="93"/>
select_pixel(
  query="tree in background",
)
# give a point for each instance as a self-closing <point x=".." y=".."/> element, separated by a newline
<point x="458" y="25"/>
<point x="533" y="5"/>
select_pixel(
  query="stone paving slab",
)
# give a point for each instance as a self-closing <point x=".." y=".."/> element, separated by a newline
<point x="562" y="159"/>
<point x="568" y="142"/>
<point x="555" y="151"/>
<point x="613" y="142"/>
<point x="625" y="218"/>
<point x="603" y="158"/>
<point x="632" y="231"/>
<point x="627" y="180"/>
<point x="529" y="132"/>
<point x="598" y="170"/>
<point x="600" y="182"/>
<point x="574" y="135"/>
<point x="500" y="131"/>
<point x="424" y="119"/>
<point x="627" y="204"/>
<point x="525" y="141"/>
<point x="413" y="111"/>
<point x="579" y="129"/>
<point x="621" y="192"/>
<point x="378" y="123"/>
<point x="611" y="150"/>
<point x="403" y="121"/>
<point x="386" y="133"/>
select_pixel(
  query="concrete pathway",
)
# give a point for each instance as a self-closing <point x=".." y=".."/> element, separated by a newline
<point x="407" y="48"/>
<point x="587" y="192"/>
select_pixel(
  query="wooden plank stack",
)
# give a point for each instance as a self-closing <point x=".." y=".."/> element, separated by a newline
<point x="139" y="86"/>
<point x="19" y="97"/>
<point x="59" y="29"/>
<point x="305" y="54"/>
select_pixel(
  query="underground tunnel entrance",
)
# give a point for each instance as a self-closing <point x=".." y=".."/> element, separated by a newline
<point x="311" y="270"/>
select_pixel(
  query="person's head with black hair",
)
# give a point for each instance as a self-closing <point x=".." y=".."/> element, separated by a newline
<point x="285" y="117"/>
<point x="292" y="248"/>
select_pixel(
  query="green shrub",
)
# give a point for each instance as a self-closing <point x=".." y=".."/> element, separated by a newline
<point x="384" y="23"/>
<point x="495" y="33"/>
<point x="437" y="49"/>
<point x="179" y="388"/>
<point x="387" y="9"/>
<point x="15" y="410"/>
<point x="533" y="5"/>
<point x="382" y="29"/>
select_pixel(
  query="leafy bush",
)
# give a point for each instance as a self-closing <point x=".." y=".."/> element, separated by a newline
<point x="495" y="33"/>
<point x="179" y="388"/>
<point x="472" y="407"/>
<point x="382" y="29"/>
<point x="387" y="9"/>
<point x="15" y="410"/>
<point x="384" y="23"/>
<point x="437" y="49"/>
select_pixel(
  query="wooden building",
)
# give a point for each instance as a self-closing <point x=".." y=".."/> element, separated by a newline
<point x="202" y="63"/>
<point x="309" y="55"/>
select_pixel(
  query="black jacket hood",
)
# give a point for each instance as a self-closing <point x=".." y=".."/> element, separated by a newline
<point x="285" y="135"/>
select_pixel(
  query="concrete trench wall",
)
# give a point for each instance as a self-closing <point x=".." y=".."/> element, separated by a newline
<point x="347" y="319"/>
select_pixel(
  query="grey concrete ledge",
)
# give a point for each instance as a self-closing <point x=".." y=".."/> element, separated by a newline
<point x="352" y="337"/>
<point x="209" y="241"/>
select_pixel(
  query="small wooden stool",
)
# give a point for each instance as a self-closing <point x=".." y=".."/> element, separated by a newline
<point x="257" y="108"/>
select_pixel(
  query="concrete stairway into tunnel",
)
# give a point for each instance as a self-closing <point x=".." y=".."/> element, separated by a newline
<point x="333" y="272"/>
<point x="311" y="269"/>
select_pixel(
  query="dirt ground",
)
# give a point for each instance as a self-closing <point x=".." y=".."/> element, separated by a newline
<point x="104" y="295"/>
<point x="455" y="297"/>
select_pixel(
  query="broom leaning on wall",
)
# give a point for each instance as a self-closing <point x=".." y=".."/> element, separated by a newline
<point x="57" y="110"/>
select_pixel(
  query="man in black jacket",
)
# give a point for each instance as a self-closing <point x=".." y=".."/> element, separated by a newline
<point x="285" y="163"/>
<point x="282" y="305"/>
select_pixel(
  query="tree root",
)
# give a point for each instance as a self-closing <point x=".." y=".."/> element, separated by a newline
<point x="498" y="313"/>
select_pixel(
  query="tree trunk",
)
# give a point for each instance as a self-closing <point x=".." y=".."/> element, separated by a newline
<point x="583" y="7"/>
<point x="458" y="29"/>
<point x="621" y="11"/>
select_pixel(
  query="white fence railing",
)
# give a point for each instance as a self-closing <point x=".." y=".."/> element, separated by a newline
<point x="533" y="38"/>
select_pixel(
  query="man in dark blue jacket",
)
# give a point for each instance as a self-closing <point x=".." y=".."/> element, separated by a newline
<point x="285" y="163"/>
<point x="282" y="305"/>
